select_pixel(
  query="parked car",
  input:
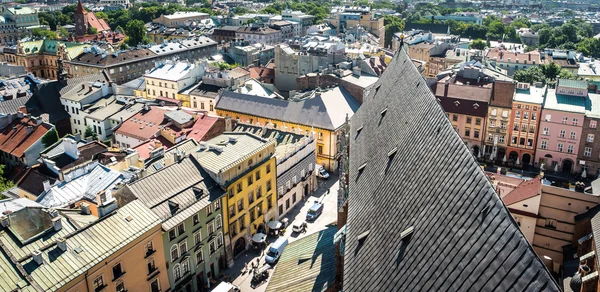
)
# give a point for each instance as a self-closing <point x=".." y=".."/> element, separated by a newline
<point x="315" y="211"/>
<point x="322" y="173"/>
<point x="226" y="287"/>
<point x="276" y="250"/>
<point x="299" y="226"/>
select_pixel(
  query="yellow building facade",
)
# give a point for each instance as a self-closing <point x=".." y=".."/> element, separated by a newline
<point x="326" y="139"/>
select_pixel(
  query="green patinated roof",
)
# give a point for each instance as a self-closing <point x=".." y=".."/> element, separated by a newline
<point x="19" y="10"/>
<point x="307" y="264"/>
<point x="579" y="84"/>
<point x="567" y="103"/>
<point x="50" y="47"/>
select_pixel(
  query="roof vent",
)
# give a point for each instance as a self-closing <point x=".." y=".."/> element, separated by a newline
<point x="383" y="112"/>
<point x="406" y="233"/>
<point x="362" y="237"/>
<point x="85" y="208"/>
<point x="57" y="223"/>
<point x="173" y="207"/>
<point x="62" y="243"/>
<point x="37" y="256"/>
<point x="392" y="152"/>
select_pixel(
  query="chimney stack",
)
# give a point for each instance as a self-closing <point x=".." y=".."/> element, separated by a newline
<point x="82" y="86"/>
<point x="57" y="223"/>
<point x="85" y="208"/>
<point x="62" y="243"/>
<point x="100" y="197"/>
<point x="46" y="184"/>
<point x="37" y="256"/>
<point x="5" y="221"/>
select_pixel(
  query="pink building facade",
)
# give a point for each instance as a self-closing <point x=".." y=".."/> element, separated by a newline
<point x="560" y="130"/>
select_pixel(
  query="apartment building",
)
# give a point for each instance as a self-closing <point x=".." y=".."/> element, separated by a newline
<point x="525" y="119"/>
<point x="353" y="17"/>
<point x="80" y="96"/>
<point x="181" y="18"/>
<point x="21" y="141"/>
<point x="259" y="35"/>
<point x="192" y="220"/>
<point x="69" y="154"/>
<point x="332" y="106"/>
<point x="50" y="250"/>
<point x="561" y="126"/>
<point x="295" y="160"/>
<point x="169" y="79"/>
<point x="512" y="61"/>
<point x="124" y="66"/>
<point x="224" y="34"/>
<point x="305" y="20"/>
<point x="498" y="122"/>
<point x="244" y="166"/>
<point x="18" y="23"/>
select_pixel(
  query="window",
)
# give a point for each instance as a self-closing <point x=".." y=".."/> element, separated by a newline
<point x="240" y="205"/>
<point x="176" y="272"/>
<point x="529" y="142"/>
<point x="117" y="271"/>
<point x="501" y="139"/>
<point x="455" y="118"/>
<point x="575" y="121"/>
<point x="250" y="180"/>
<point x="257" y="175"/>
<point x="218" y="221"/>
<point x="250" y="197"/>
<point x="209" y="210"/>
<point x="518" y="114"/>
<point x="217" y="204"/>
<point x="587" y="152"/>
<point x="210" y="228"/>
<point x="544" y="145"/>
<point x="503" y="125"/>
<point x="151" y="266"/>
<point x="546" y="132"/>
<point x="196" y="219"/>
<point x="239" y="188"/>
<point x="185" y="267"/>
<point x="534" y="116"/>
<point x="120" y="287"/>
<point x="593" y="124"/>
<point x="526" y="115"/>
<point x="523" y="128"/>
<point x="231" y="211"/>
<point x="565" y="120"/>
<point x="230" y="191"/>
<point x="98" y="283"/>
<point x="476" y="134"/>
<point x="548" y="118"/>
<point x="174" y="253"/>
<point x="551" y="223"/>
<point x="559" y="147"/>
<point x="320" y="136"/>
<point x="320" y="149"/>
<point x="199" y="257"/>
<point x="492" y="124"/>
<point x="220" y="239"/>
<point x="562" y="133"/>
<point x="180" y="229"/>
<point x="518" y="220"/>
<point x="573" y="135"/>
<point x="269" y="202"/>
<point x="197" y="237"/>
<point x="477" y="121"/>
<point x="172" y="234"/>
<point x="469" y="120"/>
<point x="590" y="138"/>
<point x="268" y="168"/>
<point x="212" y="247"/>
<point x="505" y="114"/>
<point x="570" y="149"/>
<point x="522" y="141"/>
<point x="493" y="113"/>
<point x="269" y="185"/>
<point x="149" y="248"/>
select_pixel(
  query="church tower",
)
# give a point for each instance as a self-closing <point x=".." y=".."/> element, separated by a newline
<point x="81" y="23"/>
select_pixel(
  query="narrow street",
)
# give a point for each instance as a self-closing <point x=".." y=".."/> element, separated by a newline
<point x="242" y="275"/>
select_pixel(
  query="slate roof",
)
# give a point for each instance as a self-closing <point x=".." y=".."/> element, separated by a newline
<point x="307" y="264"/>
<point x="158" y="189"/>
<point x="464" y="238"/>
<point x="327" y="111"/>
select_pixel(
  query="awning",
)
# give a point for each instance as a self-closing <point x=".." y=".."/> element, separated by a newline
<point x="259" y="237"/>
<point x="274" y="225"/>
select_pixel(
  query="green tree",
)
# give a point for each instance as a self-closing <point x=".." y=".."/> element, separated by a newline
<point x="566" y="74"/>
<point x="63" y="32"/>
<point x="477" y="44"/>
<point x="50" y="138"/>
<point x="5" y="184"/>
<point x="136" y="33"/>
<point x="550" y="70"/>
<point x="590" y="47"/>
<point x="90" y="133"/>
<point x="92" y="30"/>
<point x="530" y="75"/>
<point x="101" y="15"/>
<point x="240" y="10"/>
<point x="42" y="33"/>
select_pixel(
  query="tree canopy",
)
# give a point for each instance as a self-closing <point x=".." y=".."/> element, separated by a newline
<point x="50" y="138"/>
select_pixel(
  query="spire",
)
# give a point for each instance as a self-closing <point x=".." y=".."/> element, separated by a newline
<point x="80" y="9"/>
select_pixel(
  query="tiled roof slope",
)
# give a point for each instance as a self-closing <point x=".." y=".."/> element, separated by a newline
<point x="464" y="238"/>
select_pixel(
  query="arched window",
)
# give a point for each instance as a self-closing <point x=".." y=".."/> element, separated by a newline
<point x="176" y="272"/>
<point x="174" y="253"/>
<point x="218" y="221"/>
<point x="220" y="239"/>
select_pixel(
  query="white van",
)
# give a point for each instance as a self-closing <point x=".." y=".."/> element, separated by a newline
<point x="276" y="250"/>
<point x="226" y="287"/>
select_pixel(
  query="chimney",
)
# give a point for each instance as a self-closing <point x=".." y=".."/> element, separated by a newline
<point x="89" y="88"/>
<point x="85" y="208"/>
<point x="37" y="256"/>
<point x="61" y="242"/>
<point x="82" y="86"/>
<point x="100" y="197"/>
<point x="53" y="213"/>
<point x="57" y="223"/>
<point x="5" y="221"/>
<point x="46" y="184"/>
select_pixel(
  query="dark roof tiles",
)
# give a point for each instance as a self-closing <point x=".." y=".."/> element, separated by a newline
<point x="464" y="238"/>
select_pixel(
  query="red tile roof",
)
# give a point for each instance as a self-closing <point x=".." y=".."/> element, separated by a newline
<point x="14" y="139"/>
<point x="144" y="124"/>
<point x="145" y="148"/>
<point x="527" y="189"/>
<point x="97" y="23"/>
